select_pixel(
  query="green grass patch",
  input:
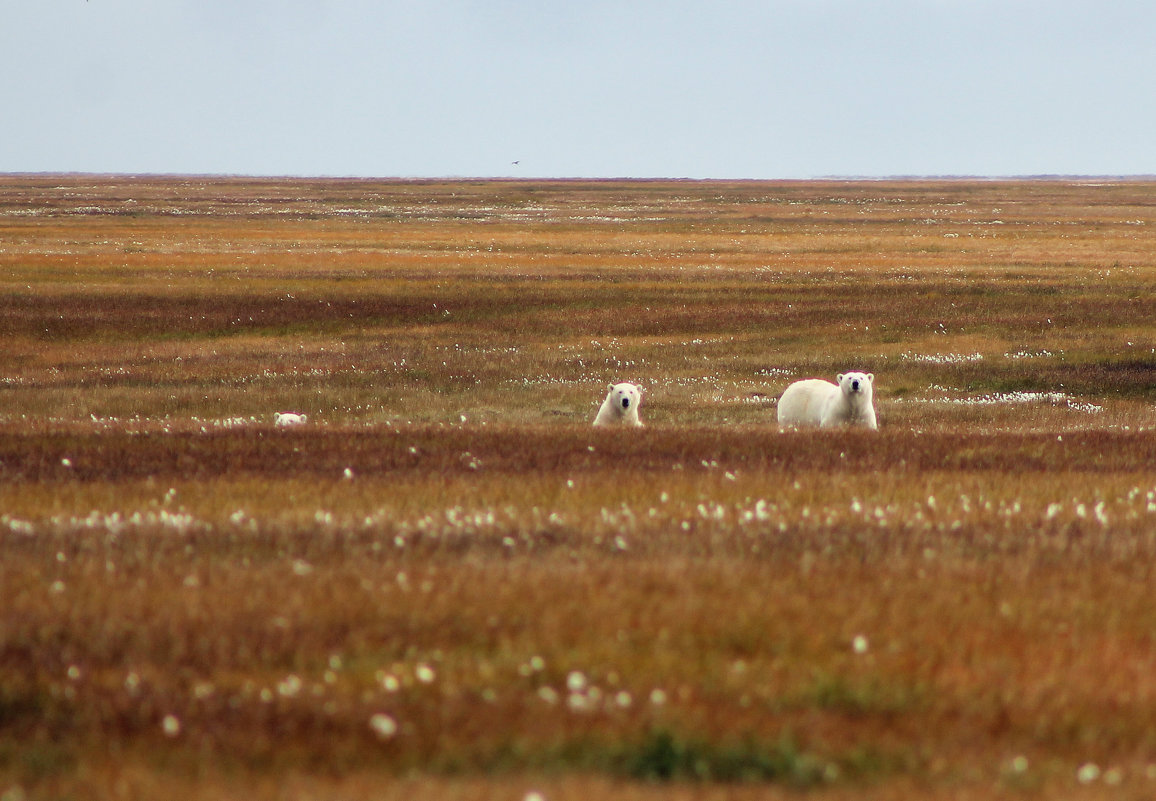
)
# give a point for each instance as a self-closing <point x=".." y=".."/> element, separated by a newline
<point x="665" y="756"/>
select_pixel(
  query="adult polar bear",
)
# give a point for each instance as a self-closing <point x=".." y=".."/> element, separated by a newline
<point x="817" y="402"/>
<point x="621" y="406"/>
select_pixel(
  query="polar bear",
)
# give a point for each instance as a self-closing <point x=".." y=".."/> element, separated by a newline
<point x="289" y="419"/>
<point x="621" y="406"/>
<point x="817" y="402"/>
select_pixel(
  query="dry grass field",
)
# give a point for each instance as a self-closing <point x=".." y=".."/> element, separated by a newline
<point x="448" y="585"/>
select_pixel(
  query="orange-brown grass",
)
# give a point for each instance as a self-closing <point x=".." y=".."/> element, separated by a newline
<point x="449" y="585"/>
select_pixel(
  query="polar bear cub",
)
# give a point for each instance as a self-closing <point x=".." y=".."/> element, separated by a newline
<point x="817" y="402"/>
<point x="621" y="406"/>
<point x="289" y="419"/>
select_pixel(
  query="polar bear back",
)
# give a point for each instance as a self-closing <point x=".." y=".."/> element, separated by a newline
<point x="620" y="407"/>
<point x="803" y="402"/>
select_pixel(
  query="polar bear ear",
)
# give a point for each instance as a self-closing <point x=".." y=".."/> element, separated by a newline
<point x="839" y="378"/>
<point x="610" y="386"/>
<point x="871" y="378"/>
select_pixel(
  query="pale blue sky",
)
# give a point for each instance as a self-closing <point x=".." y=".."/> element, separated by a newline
<point x="633" y="88"/>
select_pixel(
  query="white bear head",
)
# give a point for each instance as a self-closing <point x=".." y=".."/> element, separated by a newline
<point x="621" y="405"/>
<point x="856" y="385"/>
<point x="625" y="396"/>
<point x="289" y="419"/>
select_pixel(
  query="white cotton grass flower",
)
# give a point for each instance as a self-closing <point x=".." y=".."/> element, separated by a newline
<point x="383" y="725"/>
<point x="576" y="681"/>
<point x="171" y="725"/>
<point x="1088" y="773"/>
<point x="536" y="664"/>
<point x="289" y="687"/>
<point x="579" y="703"/>
<point x="941" y="358"/>
<point x="859" y="644"/>
<point x="424" y="673"/>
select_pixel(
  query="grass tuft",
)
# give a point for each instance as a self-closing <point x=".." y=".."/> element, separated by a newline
<point x="664" y="756"/>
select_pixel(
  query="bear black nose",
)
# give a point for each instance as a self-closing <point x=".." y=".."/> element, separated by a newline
<point x="626" y="403"/>
<point x="854" y="386"/>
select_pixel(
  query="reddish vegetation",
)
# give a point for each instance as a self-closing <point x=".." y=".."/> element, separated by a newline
<point x="447" y="584"/>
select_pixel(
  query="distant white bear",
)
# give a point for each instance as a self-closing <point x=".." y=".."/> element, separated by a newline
<point x="620" y="407"/>
<point x="817" y="402"/>
<point x="289" y="419"/>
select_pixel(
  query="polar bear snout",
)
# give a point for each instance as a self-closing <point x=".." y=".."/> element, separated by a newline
<point x="626" y="402"/>
<point x="854" y="384"/>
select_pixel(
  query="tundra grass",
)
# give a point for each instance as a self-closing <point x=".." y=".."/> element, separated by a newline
<point x="448" y="585"/>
